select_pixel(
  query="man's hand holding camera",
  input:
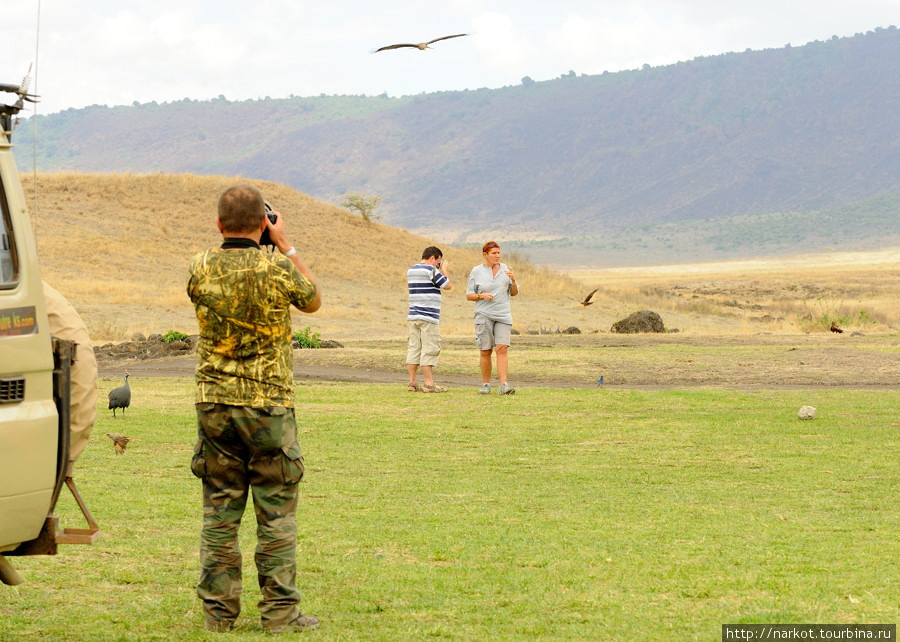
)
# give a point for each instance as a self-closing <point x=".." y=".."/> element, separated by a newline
<point x="277" y="231"/>
<point x="278" y="236"/>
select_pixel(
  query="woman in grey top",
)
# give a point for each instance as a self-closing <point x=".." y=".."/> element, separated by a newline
<point x="490" y="286"/>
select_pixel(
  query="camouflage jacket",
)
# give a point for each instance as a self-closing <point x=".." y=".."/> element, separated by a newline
<point x="243" y="301"/>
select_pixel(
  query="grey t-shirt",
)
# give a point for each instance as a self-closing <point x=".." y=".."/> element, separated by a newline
<point x="482" y="280"/>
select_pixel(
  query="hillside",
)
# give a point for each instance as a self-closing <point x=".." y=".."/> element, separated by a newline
<point x="118" y="247"/>
<point x="741" y="154"/>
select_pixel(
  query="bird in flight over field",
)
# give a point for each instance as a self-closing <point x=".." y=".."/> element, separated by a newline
<point x="121" y="441"/>
<point x="587" y="300"/>
<point x="421" y="46"/>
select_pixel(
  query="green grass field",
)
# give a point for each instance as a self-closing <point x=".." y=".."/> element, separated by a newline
<point x="553" y="514"/>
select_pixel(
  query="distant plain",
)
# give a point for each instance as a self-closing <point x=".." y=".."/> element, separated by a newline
<point x="118" y="246"/>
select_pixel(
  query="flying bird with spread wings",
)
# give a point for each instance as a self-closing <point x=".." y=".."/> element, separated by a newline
<point x="121" y="441"/>
<point x="587" y="300"/>
<point x="422" y="46"/>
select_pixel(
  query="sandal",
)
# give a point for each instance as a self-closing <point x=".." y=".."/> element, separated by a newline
<point x="433" y="388"/>
<point x="412" y="388"/>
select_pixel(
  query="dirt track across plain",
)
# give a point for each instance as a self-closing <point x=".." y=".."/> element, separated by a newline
<point x="667" y="361"/>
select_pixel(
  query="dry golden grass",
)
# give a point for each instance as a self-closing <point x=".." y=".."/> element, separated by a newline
<point x="859" y="290"/>
<point x="118" y="247"/>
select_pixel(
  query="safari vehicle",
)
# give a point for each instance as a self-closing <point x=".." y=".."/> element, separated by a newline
<point x="34" y="380"/>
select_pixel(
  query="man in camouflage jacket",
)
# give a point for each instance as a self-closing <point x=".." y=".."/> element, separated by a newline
<point x="247" y="433"/>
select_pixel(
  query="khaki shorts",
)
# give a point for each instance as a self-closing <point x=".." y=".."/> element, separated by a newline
<point x="424" y="343"/>
<point x="490" y="333"/>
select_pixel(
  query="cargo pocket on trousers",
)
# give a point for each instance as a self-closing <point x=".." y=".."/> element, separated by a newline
<point x="482" y="336"/>
<point x="198" y="461"/>
<point x="292" y="464"/>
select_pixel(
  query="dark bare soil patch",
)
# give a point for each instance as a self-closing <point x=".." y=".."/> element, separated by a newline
<point x="626" y="361"/>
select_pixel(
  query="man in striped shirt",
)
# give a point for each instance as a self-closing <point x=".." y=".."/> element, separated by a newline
<point x="425" y="280"/>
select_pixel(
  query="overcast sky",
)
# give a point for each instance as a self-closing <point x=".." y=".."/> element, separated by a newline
<point x="115" y="53"/>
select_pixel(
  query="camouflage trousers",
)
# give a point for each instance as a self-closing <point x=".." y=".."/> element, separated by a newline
<point x="248" y="451"/>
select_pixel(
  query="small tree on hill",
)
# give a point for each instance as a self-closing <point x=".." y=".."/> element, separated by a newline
<point x="363" y="204"/>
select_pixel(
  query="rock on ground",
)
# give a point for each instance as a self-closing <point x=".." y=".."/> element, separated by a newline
<point x="643" y="321"/>
<point x="806" y="412"/>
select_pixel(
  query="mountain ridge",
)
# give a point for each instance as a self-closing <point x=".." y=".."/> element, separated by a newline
<point x="798" y="136"/>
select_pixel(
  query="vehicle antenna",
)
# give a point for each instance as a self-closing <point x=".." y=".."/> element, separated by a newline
<point x="37" y="48"/>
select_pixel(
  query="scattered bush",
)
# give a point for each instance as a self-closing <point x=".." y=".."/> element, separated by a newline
<point x="822" y="314"/>
<point x="306" y="338"/>
<point x="174" y="335"/>
<point x="363" y="204"/>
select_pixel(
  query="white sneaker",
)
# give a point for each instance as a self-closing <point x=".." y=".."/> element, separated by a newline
<point x="485" y="389"/>
<point x="506" y="389"/>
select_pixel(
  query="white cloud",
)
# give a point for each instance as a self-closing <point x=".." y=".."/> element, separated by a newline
<point x="594" y="44"/>
<point x="112" y="52"/>
<point x="498" y="42"/>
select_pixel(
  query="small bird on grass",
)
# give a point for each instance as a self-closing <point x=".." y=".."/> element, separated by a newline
<point x="120" y="397"/>
<point x="422" y="46"/>
<point x="121" y="441"/>
<point x="600" y="381"/>
<point x="587" y="300"/>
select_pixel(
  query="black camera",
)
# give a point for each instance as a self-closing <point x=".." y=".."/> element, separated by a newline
<point x="265" y="239"/>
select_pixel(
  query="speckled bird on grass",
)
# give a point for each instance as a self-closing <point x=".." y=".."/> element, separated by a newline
<point x="120" y="397"/>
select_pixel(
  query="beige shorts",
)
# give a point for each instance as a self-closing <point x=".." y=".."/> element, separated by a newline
<point x="490" y="333"/>
<point x="424" y="343"/>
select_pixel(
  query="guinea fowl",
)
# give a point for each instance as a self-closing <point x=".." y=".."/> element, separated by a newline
<point x="120" y="397"/>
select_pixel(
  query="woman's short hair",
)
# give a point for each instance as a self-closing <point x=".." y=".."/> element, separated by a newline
<point x="241" y="209"/>
<point x="490" y="245"/>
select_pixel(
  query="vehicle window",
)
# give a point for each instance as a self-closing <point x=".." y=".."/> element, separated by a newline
<point x="9" y="268"/>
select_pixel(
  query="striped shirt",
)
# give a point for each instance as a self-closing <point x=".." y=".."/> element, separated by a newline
<point x="425" y="283"/>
